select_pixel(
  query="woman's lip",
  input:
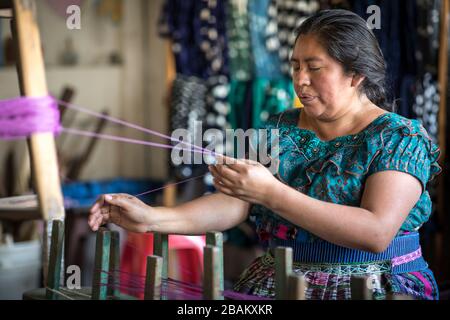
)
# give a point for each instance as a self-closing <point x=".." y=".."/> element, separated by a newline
<point x="307" y="98"/>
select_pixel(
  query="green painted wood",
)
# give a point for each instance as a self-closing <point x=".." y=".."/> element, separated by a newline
<point x="114" y="265"/>
<point x="216" y="239"/>
<point x="161" y="249"/>
<point x="101" y="265"/>
<point x="55" y="259"/>
<point x="283" y="268"/>
<point x="296" y="287"/>
<point x="211" y="279"/>
<point x="153" y="278"/>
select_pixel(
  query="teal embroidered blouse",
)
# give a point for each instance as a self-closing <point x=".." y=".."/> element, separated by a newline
<point x="335" y="171"/>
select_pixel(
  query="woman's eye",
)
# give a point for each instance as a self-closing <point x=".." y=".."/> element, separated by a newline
<point x="314" y="69"/>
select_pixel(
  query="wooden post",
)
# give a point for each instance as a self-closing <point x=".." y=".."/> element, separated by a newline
<point x="42" y="149"/>
<point x="153" y="283"/>
<point x="101" y="265"/>
<point x="211" y="279"/>
<point x="114" y="265"/>
<point x="296" y="287"/>
<point x="215" y="239"/>
<point x="161" y="249"/>
<point x="56" y="252"/>
<point x="361" y="288"/>
<point x="283" y="268"/>
<point x="441" y="238"/>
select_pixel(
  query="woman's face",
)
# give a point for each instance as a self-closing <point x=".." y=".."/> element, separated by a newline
<point x="319" y="80"/>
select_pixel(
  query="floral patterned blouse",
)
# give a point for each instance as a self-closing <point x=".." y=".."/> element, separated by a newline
<point x="335" y="171"/>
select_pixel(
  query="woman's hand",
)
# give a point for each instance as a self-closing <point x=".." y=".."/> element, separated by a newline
<point x="244" y="179"/>
<point x="123" y="210"/>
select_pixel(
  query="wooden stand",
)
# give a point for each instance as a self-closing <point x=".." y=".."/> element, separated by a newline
<point x="41" y="146"/>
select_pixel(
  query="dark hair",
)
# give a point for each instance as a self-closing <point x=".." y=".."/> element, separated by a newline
<point x="349" y="41"/>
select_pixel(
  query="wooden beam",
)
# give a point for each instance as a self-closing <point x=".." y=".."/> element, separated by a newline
<point x="101" y="265"/>
<point x="6" y="13"/>
<point x="153" y="278"/>
<point x="41" y="146"/>
<point x="441" y="255"/>
<point x="283" y="268"/>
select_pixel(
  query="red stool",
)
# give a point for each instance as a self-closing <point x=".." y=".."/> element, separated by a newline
<point x="185" y="262"/>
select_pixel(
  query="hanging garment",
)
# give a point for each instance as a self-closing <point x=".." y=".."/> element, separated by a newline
<point x="239" y="45"/>
<point x="428" y="27"/>
<point x="266" y="64"/>
<point x="197" y="31"/>
<point x="284" y="17"/>
<point x="426" y="106"/>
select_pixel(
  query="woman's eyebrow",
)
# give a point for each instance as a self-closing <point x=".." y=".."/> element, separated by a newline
<point x="309" y="59"/>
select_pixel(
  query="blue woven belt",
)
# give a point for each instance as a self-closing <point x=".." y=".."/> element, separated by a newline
<point x="326" y="252"/>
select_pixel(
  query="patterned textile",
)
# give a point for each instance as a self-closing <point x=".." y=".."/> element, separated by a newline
<point x="197" y="31"/>
<point x="335" y="171"/>
<point x="332" y="282"/>
<point x="284" y="17"/>
<point x="266" y="64"/>
<point x="239" y="46"/>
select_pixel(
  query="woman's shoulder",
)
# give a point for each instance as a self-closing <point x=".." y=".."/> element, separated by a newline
<point x="393" y="125"/>
<point x="288" y="117"/>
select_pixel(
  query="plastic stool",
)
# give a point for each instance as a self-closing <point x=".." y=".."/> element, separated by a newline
<point x="185" y="262"/>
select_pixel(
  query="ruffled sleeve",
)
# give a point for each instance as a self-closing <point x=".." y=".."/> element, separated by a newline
<point x="407" y="148"/>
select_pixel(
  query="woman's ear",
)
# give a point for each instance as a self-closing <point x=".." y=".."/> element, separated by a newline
<point x="357" y="79"/>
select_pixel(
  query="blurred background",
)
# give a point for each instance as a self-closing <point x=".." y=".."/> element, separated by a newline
<point x="164" y="64"/>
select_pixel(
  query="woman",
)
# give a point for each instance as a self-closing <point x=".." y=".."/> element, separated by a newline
<point x="350" y="192"/>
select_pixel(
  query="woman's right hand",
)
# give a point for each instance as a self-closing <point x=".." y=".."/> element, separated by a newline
<point x="121" y="209"/>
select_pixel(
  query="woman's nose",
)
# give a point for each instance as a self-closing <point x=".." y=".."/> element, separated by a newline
<point x="301" y="78"/>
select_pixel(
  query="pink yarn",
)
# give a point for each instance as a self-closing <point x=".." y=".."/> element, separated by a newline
<point x="23" y="116"/>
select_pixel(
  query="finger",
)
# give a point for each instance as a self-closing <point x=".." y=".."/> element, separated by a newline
<point x="223" y="189"/>
<point x="97" y="222"/>
<point x="237" y="165"/>
<point x="119" y="200"/>
<point x="91" y="220"/>
<point x="224" y="179"/>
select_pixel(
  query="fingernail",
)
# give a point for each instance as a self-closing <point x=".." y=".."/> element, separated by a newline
<point x="108" y="197"/>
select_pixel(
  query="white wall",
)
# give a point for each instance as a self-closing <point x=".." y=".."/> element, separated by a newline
<point x="133" y="91"/>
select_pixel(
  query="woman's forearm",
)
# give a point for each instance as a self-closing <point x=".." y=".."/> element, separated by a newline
<point x="215" y="212"/>
<point x="352" y="227"/>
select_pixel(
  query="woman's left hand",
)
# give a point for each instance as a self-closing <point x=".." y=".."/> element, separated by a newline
<point x="244" y="179"/>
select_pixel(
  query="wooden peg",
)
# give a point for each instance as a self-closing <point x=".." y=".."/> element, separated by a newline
<point x="55" y="259"/>
<point x="296" y="287"/>
<point x="215" y="239"/>
<point x="101" y="265"/>
<point x="211" y="278"/>
<point x="114" y="265"/>
<point x="153" y="282"/>
<point x="283" y="268"/>
<point x="361" y="287"/>
<point x="161" y="249"/>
